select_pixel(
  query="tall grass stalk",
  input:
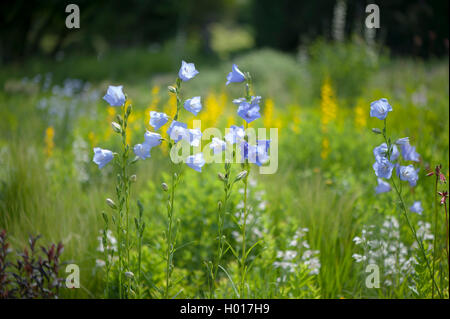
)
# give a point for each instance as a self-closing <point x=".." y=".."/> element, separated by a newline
<point x="140" y="227"/>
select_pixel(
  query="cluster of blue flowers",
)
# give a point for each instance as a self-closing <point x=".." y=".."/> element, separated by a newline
<point x="177" y="130"/>
<point x="248" y="109"/>
<point x="386" y="160"/>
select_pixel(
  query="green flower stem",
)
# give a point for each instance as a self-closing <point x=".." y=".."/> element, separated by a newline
<point x="243" y="260"/>
<point x="139" y="265"/>
<point x="169" y="255"/>
<point x="119" y="248"/>
<point x="244" y="253"/>
<point x="435" y="228"/>
<point x="418" y="240"/>
<point x="106" y="255"/>
<point x="140" y="226"/>
<point x="220" y="215"/>
<point x="126" y="189"/>
<point x="405" y="213"/>
<point x="174" y="179"/>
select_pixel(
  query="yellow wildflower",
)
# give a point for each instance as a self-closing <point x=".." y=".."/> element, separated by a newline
<point x="325" y="148"/>
<point x="92" y="139"/>
<point x="111" y="113"/>
<point x="360" y="114"/>
<point x="328" y="105"/>
<point x="49" y="143"/>
<point x="155" y="91"/>
<point x="153" y="105"/>
<point x="171" y="106"/>
<point x="211" y="110"/>
<point x="230" y="120"/>
<point x="268" y="113"/>
<point x="294" y="116"/>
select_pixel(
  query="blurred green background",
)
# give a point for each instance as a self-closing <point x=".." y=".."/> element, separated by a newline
<point x="211" y="29"/>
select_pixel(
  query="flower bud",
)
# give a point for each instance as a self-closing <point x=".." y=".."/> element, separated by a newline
<point x="219" y="205"/>
<point x="105" y="218"/>
<point x="129" y="274"/>
<point x="129" y="108"/>
<point x="376" y="130"/>
<point x="134" y="160"/>
<point x="221" y="176"/>
<point x="133" y="178"/>
<point x="240" y="176"/>
<point x="116" y="127"/>
<point x="111" y="203"/>
<point x="164" y="187"/>
<point x="172" y="89"/>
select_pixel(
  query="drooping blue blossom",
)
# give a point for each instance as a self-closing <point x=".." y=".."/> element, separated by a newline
<point x="417" y="207"/>
<point x="239" y="101"/>
<point x="409" y="174"/>
<point x="383" y="168"/>
<point x="196" y="161"/>
<point x="249" y="111"/>
<point x="193" y="105"/>
<point x="217" y="145"/>
<point x="256" y="154"/>
<point x="380" y="109"/>
<point x="402" y="141"/>
<point x="195" y="135"/>
<point x="382" y="186"/>
<point x="152" y="139"/>
<point x="235" y="75"/>
<point x="409" y="152"/>
<point x="158" y="119"/>
<point x="235" y="135"/>
<point x="380" y="151"/>
<point x="114" y="96"/>
<point x="102" y="157"/>
<point x="178" y="131"/>
<point x="187" y="71"/>
<point x="142" y="150"/>
<point x="262" y="151"/>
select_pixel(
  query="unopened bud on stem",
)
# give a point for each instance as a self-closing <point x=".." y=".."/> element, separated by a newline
<point x="116" y="127"/>
<point x="240" y="176"/>
<point x="172" y="89"/>
<point x="111" y="203"/>
<point x="376" y="130"/>
<point x="129" y="274"/>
